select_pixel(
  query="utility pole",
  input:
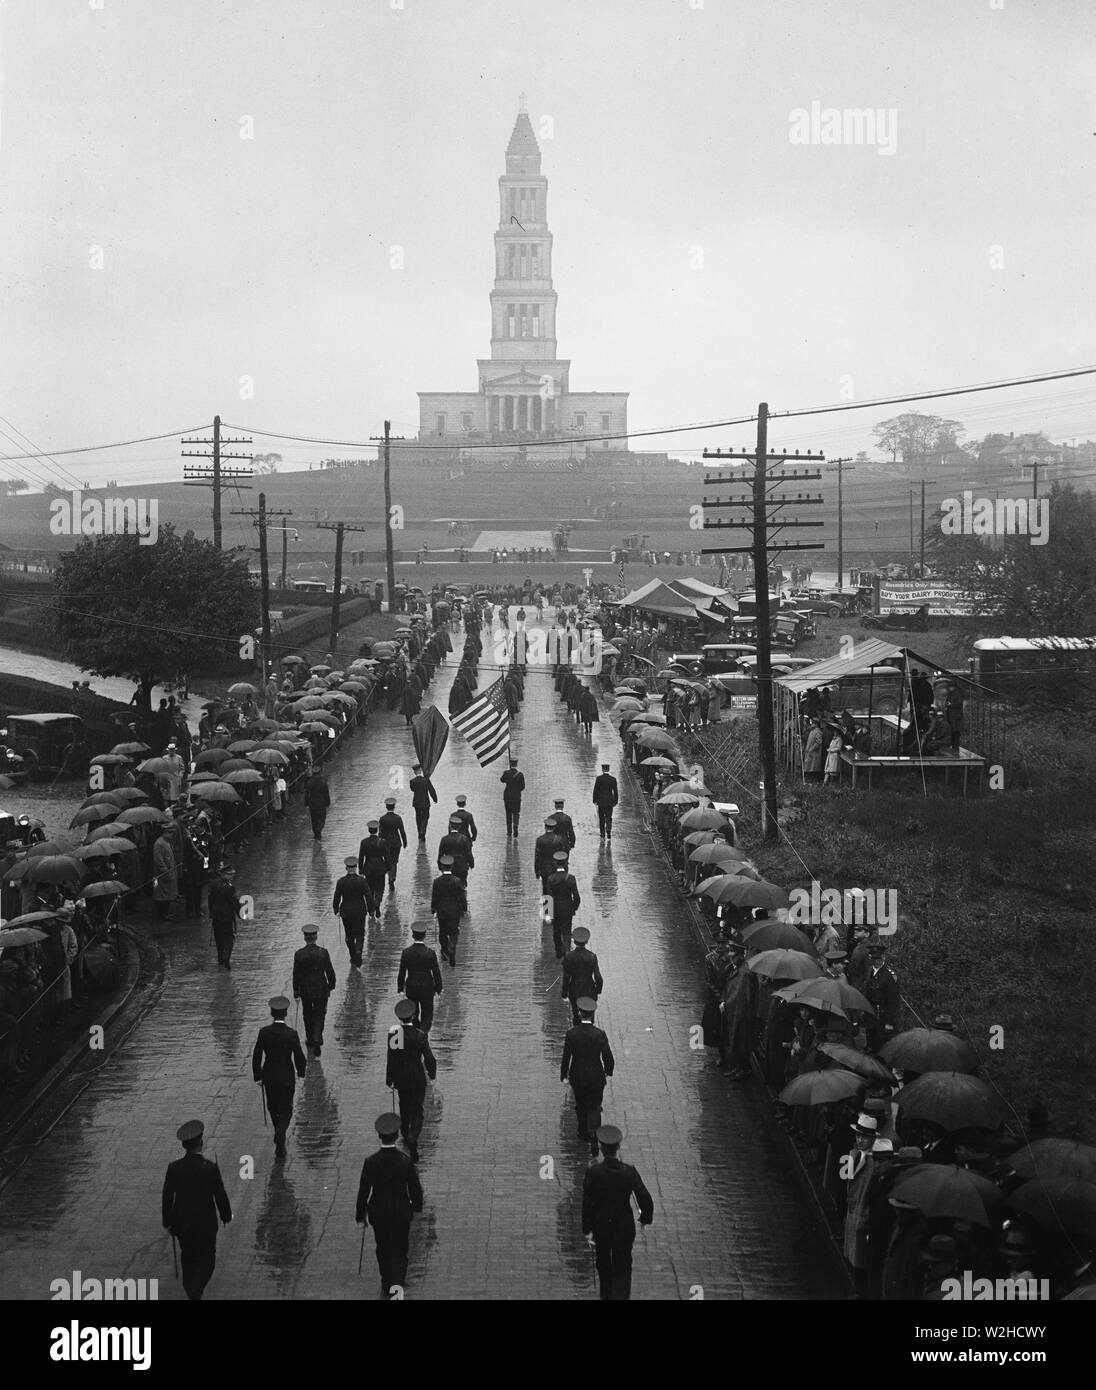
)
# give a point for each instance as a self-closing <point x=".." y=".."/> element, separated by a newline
<point x="911" y="530"/>
<point x="840" y="523"/>
<point x="759" y="506"/>
<point x="261" y="517"/>
<point x="214" y="474"/>
<point x="921" y="572"/>
<point x="389" y="559"/>
<point x="339" y="527"/>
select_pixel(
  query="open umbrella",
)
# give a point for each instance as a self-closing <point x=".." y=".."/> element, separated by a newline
<point x="294" y="661"/>
<point x="320" y="669"/>
<point x="216" y="791"/>
<point x="26" y="918"/>
<point x="281" y="745"/>
<point x="210" y="757"/>
<point x="626" y="692"/>
<point x="232" y="765"/>
<point x="55" y="868"/>
<point x="339" y="697"/>
<point x="863" y="1063"/>
<point x="1058" y="1204"/>
<point x="784" y="965"/>
<point x="362" y="663"/>
<point x="143" y="815"/>
<point x="928" y="1049"/>
<point x="95" y="815"/>
<point x="696" y="838"/>
<point x="106" y="848"/>
<point x="704" y="818"/>
<point x="775" y="936"/>
<point x="155" y="765"/>
<point x="657" y="738"/>
<point x="112" y="830"/>
<point x="944" y="1189"/>
<point x="206" y="775"/>
<point x="131" y="796"/>
<point x="717" y="852"/>
<point x="241" y="689"/>
<point x="21" y="936"/>
<point x="354" y="687"/>
<point x="744" y="892"/>
<point x="696" y="788"/>
<point x="821" y="1087"/>
<point x="656" y="760"/>
<point x="1055" y="1158"/>
<point x="61" y="844"/>
<point x="308" y="702"/>
<point x="316" y="684"/>
<point x="326" y="717"/>
<point x="104" y="799"/>
<point x="651" y="718"/>
<point x="105" y="888"/>
<point x="108" y="760"/>
<point x="263" y="725"/>
<point x="312" y="726"/>
<point x="243" y="776"/>
<point x="828" y="996"/>
<point x="132" y="749"/>
<point x="678" y="799"/>
<point x="242" y="745"/>
<point x="951" y="1099"/>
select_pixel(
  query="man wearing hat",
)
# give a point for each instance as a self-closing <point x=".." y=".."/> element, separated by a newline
<point x="389" y="1192"/>
<point x="374" y="862"/>
<point x="858" y="1170"/>
<point x="317" y="798"/>
<point x="448" y="903"/>
<point x="581" y="976"/>
<point x="410" y="1061"/>
<point x="352" y="902"/>
<point x="880" y="989"/>
<point x="419" y="976"/>
<point x="565" y="828"/>
<point x="394" y="835"/>
<point x="563" y="890"/>
<point x="587" y="1063"/>
<point x="606" y="796"/>
<point x="607" y="1191"/>
<point x="941" y="1261"/>
<point x="513" y="783"/>
<point x="277" y="1052"/>
<point x="224" y="908"/>
<point x="193" y="1197"/>
<point x="422" y="793"/>
<point x="457" y="844"/>
<point x="313" y="981"/>
<point x="545" y="847"/>
<point x="466" y="818"/>
<point x="859" y="962"/>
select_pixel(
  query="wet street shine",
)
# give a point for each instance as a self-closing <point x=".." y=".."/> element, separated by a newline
<point x="501" y="1166"/>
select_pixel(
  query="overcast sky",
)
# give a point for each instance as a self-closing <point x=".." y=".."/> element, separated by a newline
<point x="703" y="260"/>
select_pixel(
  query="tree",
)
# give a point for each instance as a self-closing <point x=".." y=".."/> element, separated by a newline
<point x="151" y="612"/>
<point x="912" y="436"/>
<point x="266" y="463"/>
<point x="13" y="485"/>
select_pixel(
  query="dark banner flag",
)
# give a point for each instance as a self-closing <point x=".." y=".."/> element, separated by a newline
<point x="430" y="734"/>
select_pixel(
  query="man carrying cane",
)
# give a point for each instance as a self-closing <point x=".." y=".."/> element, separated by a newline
<point x="587" y="1063"/>
<point x="388" y="1194"/>
<point x="193" y="1197"/>
<point x="313" y="981"/>
<point x="607" y="1192"/>
<point x="277" y="1051"/>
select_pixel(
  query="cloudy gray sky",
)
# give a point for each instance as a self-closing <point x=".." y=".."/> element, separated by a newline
<point x="703" y="260"/>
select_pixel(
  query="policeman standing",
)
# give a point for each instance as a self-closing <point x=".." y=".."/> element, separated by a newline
<point x="606" y="796"/>
<point x="394" y="835"/>
<point x="351" y="902"/>
<point x="313" y="981"/>
<point x="193" y="1197"/>
<point x="581" y="975"/>
<point x="466" y="818"/>
<point x="513" y="783"/>
<point x="607" y="1192"/>
<point x="448" y="903"/>
<point x="880" y="989"/>
<point x="563" y="890"/>
<point x="277" y="1051"/>
<point x="388" y="1193"/>
<point x="422" y="793"/>
<point x="374" y="862"/>
<point x="419" y="976"/>
<point x="587" y="1063"/>
<point x="410" y="1061"/>
<point x="546" y="846"/>
<point x="565" y="828"/>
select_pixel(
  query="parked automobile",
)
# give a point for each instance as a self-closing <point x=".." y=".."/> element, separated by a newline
<point x="898" y="622"/>
<point x="719" y="657"/>
<point x="48" y="743"/>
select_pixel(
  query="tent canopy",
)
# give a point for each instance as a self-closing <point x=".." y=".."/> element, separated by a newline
<point x="872" y="652"/>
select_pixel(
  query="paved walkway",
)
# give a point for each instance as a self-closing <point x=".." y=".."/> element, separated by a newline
<point x="729" y="1214"/>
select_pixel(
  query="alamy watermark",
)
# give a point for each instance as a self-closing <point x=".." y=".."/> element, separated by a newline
<point x="827" y="125"/>
<point x="1002" y="516"/>
<point x="116" y="516"/>
<point x="832" y="907"/>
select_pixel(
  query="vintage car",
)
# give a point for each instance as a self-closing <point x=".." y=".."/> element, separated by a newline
<point x="49" y="744"/>
<point x="898" y="622"/>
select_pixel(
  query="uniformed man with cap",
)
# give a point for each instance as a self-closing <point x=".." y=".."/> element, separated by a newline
<point x="606" y="796"/>
<point x="277" y="1051"/>
<point x="394" y="834"/>
<point x="313" y="981"/>
<point x="607" y="1192"/>
<point x="352" y="902"/>
<point x="466" y="818"/>
<point x="422" y="793"/>
<point x="389" y="1192"/>
<point x="587" y="1063"/>
<point x="448" y="903"/>
<point x="374" y="862"/>
<point x="193" y="1197"/>
<point x="880" y="989"/>
<point x="545" y="847"/>
<point x="410" y="1061"/>
<point x="513" y="783"/>
<point x="565" y="828"/>
<point x="459" y="846"/>
<point x="581" y="976"/>
<point x="419" y="976"/>
<point x="566" y="900"/>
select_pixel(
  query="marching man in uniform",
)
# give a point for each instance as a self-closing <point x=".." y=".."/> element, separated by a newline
<point x="313" y="981"/>
<point x="607" y="1192"/>
<point x="193" y="1197"/>
<point x="587" y="1063"/>
<point x="277" y="1051"/>
<point x="394" y="834"/>
<point x="606" y="796"/>
<point x="410" y="1061"/>
<point x="419" y="976"/>
<point x="388" y="1194"/>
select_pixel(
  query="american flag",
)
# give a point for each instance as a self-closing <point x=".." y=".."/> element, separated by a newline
<point x="486" y="724"/>
<point x="620" y="570"/>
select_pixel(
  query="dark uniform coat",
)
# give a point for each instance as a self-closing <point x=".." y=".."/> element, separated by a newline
<point x="193" y="1196"/>
<point x="606" y="790"/>
<point x="411" y="1063"/>
<point x="581" y="976"/>
<point x="393" y="832"/>
<point x="587" y="1056"/>
<point x="546" y="845"/>
<point x="448" y="898"/>
<point x="351" y="897"/>
<point x="277" y="1051"/>
<point x="389" y="1190"/>
<point x="607" y="1192"/>
<point x="457" y="844"/>
<point x="513" y="782"/>
<point x="468" y="822"/>
<point x="565" y="828"/>
<point x="313" y="973"/>
<point x="419" y="971"/>
<point x="374" y="861"/>
<point x="422" y="792"/>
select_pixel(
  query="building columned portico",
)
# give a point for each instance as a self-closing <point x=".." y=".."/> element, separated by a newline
<point x="524" y="387"/>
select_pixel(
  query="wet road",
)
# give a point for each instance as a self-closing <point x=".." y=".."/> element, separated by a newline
<point x="501" y="1165"/>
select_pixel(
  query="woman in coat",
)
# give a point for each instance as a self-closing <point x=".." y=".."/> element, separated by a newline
<point x="166" y="879"/>
<point x="833" y="757"/>
<point x="813" y="752"/>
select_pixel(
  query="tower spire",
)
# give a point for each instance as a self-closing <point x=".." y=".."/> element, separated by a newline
<point x="523" y="105"/>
